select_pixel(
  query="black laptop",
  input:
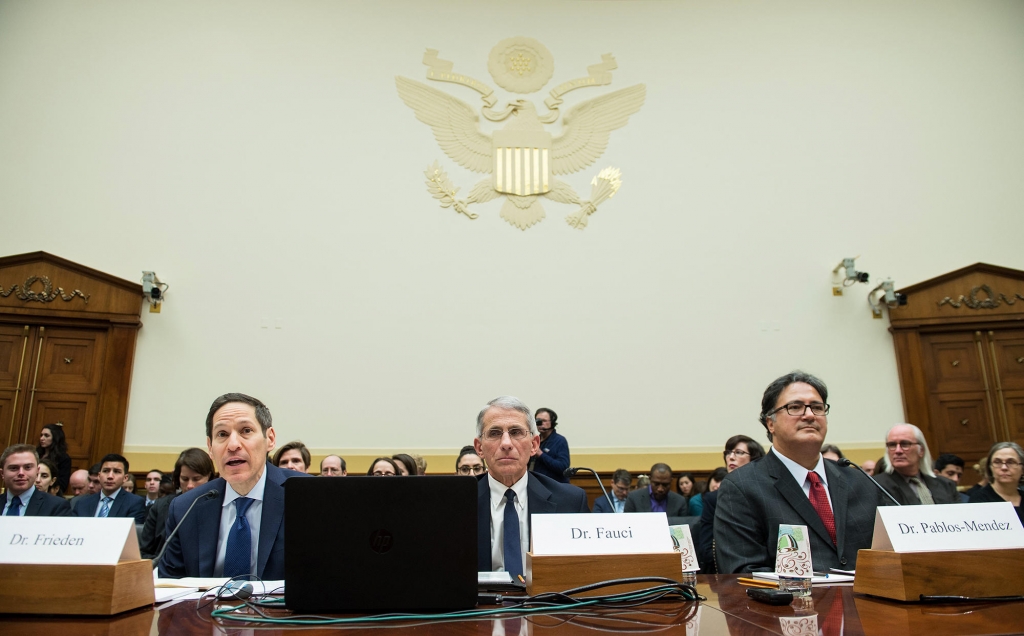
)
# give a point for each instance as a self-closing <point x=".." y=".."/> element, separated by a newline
<point x="359" y="544"/>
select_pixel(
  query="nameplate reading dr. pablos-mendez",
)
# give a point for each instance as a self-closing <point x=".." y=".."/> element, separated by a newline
<point x="67" y="540"/>
<point x="981" y="526"/>
<point x="639" y="533"/>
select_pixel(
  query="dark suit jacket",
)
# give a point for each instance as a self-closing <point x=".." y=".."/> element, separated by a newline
<point x="543" y="496"/>
<point x="601" y="504"/>
<point x="943" y="490"/>
<point x="193" y="551"/>
<point x="986" y="494"/>
<point x="640" y="501"/>
<point x="706" y="542"/>
<point x="125" y="504"/>
<point x="754" y="499"/>
<point x="43" y="505"/>
<point x="154" y="531"/>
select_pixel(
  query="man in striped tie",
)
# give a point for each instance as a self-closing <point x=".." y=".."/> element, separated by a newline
<point x="111" y="500"/>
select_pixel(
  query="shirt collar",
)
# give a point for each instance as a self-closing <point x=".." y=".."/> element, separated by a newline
<point x="799" y="472"/>
<point x="25" y="496"/>
<point x="498" y="490"/>
<point x="256" y="493"/>
<point x="113" y="496"/>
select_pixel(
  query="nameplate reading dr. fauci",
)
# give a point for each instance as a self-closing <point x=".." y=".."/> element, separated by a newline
<point x="68" y="540"/>
<point x="980" y="526"/>
<point x="635" y="533"/>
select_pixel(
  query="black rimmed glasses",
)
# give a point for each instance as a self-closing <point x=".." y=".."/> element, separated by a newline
<point x="1005" y="463"/>
<point x="797" y="409"/>
<point x="472" y="470"/>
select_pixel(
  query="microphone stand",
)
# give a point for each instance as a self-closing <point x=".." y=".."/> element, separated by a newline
<point x="846" y="462"/>
<point x="211" y="494"/>
<point x="569" y="472"/>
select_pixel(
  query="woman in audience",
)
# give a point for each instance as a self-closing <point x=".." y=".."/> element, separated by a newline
<point x="293" y="456"/>
<point x="831" y="451"/>
<point x="1004" y="468"/>
<point x="469" y="463"/>
<point x="686" y="487"/>
<point x="406" y="464"/>
<point x="46" y="480"/>
<point x="740" y="450"/>
<point x="383" y="467"/>
<point x="54" y="447"/>
<point x="129" y="483"/>
<point x="193" y="468"/>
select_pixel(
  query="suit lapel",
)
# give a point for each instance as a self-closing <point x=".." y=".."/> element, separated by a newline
<point x="35" y="504"/>
<point x="207" y="514"/>
<point x="793" y="493"/>
<point x="539" y="500"/>
<point x="272" y="516"/>
<point x="120" y="503"/>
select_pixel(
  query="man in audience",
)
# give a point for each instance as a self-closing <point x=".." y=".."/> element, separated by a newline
<point x="793" y="484"/>
<point x="193" y="468"/>
<point x="658" y="497"/>
<point x="153" y="478"/>
<point x="908" y="470"/>
<point x="293" y="456"/>
<point x="20" y="464"/>
<point x="506" y="438"/>
<point x="869" y="466"/>
<point x="552" y="457"/>
<point x="237" y="527"/>
<point x="333" y="466"/>
<point x="621" y="479"/>
<point x="94" y="479"/>
<point x="949" y="466"/>
<point x="79" y="482"/>
<point x="112" y="500"/>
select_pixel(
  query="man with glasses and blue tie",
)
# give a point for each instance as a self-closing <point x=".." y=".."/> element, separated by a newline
<point x="792" y="484"/>
<point x="238" y="530"/>
<point x="506" y="438"/>
<point x="111" y="500"/>
<point x="20" y="464"/>
<point x="908" y="473"/>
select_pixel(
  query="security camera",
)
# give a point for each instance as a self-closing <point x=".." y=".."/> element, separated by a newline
<point x="846" y="274"/>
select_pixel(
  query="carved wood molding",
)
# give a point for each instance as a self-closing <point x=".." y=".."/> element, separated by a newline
<point x="47" y="295"/>
<point x="973" y="302"/>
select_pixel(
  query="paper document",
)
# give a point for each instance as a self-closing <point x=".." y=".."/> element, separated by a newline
<point x="831" y="579"/>
<point x="491" y="578"/>
<point x="168" y="593"/>
<point x="212" y="583"/>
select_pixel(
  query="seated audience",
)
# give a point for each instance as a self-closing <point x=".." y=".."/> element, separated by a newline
<point x="46" y="478"/>
<point x="21" y="498"/>
<point x="421" y="464"/>
<point x="658" y="497"/>
<point x="384" y="467"/>
<point x="333" y="466"/>
<point x="1004" y="466"/>
<point x="293" y="456"/>
<point x="112" y="500"/>
<point x="715" y="480"/>
<point x="405" y="463"/>
<point x="79" y="482"/>
<point x="869" y="466"/>
<point x="54" y="447"/>
<point x="908" y="470"/>
<point x="506" y="438"/>
<point x="793" y="484"/>
<point x="153" y="479"/>
<point x="128" y="485"/>
<point x="621" y="479"/>
<point x="553" y="457"/>
<point x="643" y="481"/>
<point x="192" y="468"/>
<point x="740" y="450"/>
<point x="167" y="486"/>
<point x="469" y="463"/>
<point x="951" y="467"/>
<point x="831" y="451"/>
<point x="982" y="469"/>
<point x="696" y="496"/>
<point x="227" y="534"/>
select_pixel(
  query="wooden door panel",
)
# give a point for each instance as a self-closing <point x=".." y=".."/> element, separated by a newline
<point x="72" y="360"/>
<point x="76" y="413"/>
<point x="961" y="424"/>
<point x="1015" y="416"/>
<point x="13" y="352"/>
<point x="7" y="436"/>
<point x="952" y="362"/>
<point x="1008" y="358"/>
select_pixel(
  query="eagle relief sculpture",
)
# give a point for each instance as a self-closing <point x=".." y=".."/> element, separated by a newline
<point x="522" y="157"/>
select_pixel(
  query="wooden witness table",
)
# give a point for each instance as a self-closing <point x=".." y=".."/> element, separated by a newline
<point x="835" y="611"/>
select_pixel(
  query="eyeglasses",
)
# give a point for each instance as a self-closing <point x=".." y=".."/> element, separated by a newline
<point x="796" y="409"/>
<point x="515" y="433"/>
<point x="737" y="453"/>
<point x="472" y="470"/>
<point x="904" y="444"/>
<point x="380" y="473"/>
<point x="1007" y="463"/>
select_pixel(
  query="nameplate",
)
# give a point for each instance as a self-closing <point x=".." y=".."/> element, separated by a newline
<point x="68" y="540"/>
<point x="980" y="526"/>
<point x="576" y="534"/>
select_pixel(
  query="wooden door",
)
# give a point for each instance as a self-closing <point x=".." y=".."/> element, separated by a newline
<point x="1006" y="349"/>
<point x="14" y="354"/>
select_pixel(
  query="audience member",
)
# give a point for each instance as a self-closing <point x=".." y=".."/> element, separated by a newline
<point x="222" y="536"/>
<point x="166" y="486"/>
<point x="21" y="498"/>
<point x="192" y="468"/>
<point x="908" y="470"/>
<point x="869" y="466"/>
<point x="715" y="480"/>
<point x="793" y="484"/>
<point x="658" y="497"/>
<point x="469" y="463"/>
<point x="621" y="479"/>
<point x="94" y="478"/>
<point x="384" y="467"/>
<point x="740" y="450"/>
<point x="831" y="451"/>
<point x="333" y="466"/>
<point x="949" y="466"/>
<point x="1004" y="466"/>
<point x="421" y="464"/>
<point x="643" y="481"/>
<point x="128" y="485"/>
<point x="552" y="458"/>
<point x="293" y="456"/>
<point x="46" y="477"/>
<point x="153" y="479"/>
<point x="54" y="447"/>
<point x="79" y="482"/>
<point x="695" y="497"/>
<point x="112" y="500"/>
<point x="982" y="469"/>
<point x="405" y="463"/>
<point x="506" y="438"/>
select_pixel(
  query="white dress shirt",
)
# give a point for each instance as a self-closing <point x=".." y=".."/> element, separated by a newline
<point x="24" y="498"/>
<point x="113" y="498"/>
<point x="498" y="519"/>
<point x="800" y="474"/>
<point x="227" y="518"/>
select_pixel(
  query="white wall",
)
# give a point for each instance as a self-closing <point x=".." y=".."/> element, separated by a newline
<point x="257" y="157"/>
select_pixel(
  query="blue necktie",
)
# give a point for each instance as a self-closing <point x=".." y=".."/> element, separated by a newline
<point x="14" y="510"/>
<point x="105" y="508"/>
<point x="237" y="557"/>
<point x="511" y="546"/>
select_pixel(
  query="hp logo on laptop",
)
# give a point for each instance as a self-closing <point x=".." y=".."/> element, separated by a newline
<point x="380" y="541"/>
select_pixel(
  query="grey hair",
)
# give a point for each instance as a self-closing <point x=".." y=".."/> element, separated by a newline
<point x="506" y="403"/>
<point x="924" y="465"/>
<point x="996" y="448"/>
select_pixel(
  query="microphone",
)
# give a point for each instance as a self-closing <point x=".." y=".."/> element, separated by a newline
<point x="210" y="494"/>
<point x="569" y="472"/>
<point x="846" y="462"/>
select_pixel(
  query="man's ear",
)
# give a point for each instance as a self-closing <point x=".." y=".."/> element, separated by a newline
<point x="271" y="436"/>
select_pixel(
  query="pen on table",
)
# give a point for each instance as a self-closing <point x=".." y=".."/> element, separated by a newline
<point x="757" y="583"/>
